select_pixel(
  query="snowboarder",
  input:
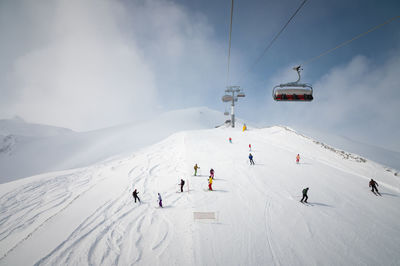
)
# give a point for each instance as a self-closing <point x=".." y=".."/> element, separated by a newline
<point x="212" y="173"/>
<point x="244" y="127"/>
<point x="159" y="200"/>
<point x="182" y="184"/>
<point x="305" y="197"/>
<point x="249" y="147"/>
<point x="195" y="169"/>
<point x="210" y="180"/>
<point x="135" y="195"/>
<point x="251" y="159"/>
<point x="230" y="140"/>
<point x="298" y="158"/>
<point x="373" y="184"/>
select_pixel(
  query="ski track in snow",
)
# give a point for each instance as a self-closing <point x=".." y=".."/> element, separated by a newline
<point x="31" y="208"/>
<point x="118" y="231"/>
<point x="107" y="228"/>
<point x="269" y="231"/>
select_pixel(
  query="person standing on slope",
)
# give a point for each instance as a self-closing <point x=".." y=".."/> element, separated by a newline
<point x="373" y="184"/>
<point x="195" y="169"/>
<point x="249" y="147"/>
<point x="182" y="184"/>
<point x="212" y="173"/>
<point x="135" y="195"/>
<point x="210" y="181"/>
<point x="305" y="197"/>
<point x="298" y="158"/>
<point x="230" y="140"/>
<point x="251" y="159"/>
<point x="159" y="200"/>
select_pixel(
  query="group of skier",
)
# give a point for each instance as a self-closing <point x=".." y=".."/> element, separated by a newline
<point x="372" y="183"/>
<point x="136" y="197"/>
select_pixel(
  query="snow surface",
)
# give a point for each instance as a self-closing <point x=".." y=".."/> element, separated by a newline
<point x="87" y="216"/>
<point x="29" y="149"/>
<point x="377" y="154"/>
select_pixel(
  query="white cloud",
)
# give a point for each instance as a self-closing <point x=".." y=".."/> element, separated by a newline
<point x="360" y="100"/>
<point x="98" y="63"/>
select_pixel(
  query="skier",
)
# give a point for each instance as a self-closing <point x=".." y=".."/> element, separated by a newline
<point x="249" y="147"/>
<point x="182" y="184"/>
<point x="373" y="184"/>
<point x="212" y="173"/>
<point x="210" y="180"/>
<point x="135" y="195"/>
<point x="298" y="158"/>
<point x="159" y="200"/>
<point x="251" y="159"/>
<point x="244" y="127"/>
<point x="195" y="169"/>
<point x="305" y="197"/>
<point x="230" y="140"/>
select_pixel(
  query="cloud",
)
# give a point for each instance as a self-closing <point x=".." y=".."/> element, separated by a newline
<point x="359" y="99"/>
<point x="91" y="64"/>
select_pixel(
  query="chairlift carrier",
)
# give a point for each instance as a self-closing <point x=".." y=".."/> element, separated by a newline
<point x="293" y="91"/>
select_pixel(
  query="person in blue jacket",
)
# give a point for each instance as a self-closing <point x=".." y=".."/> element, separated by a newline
<point x="251" y="159"/>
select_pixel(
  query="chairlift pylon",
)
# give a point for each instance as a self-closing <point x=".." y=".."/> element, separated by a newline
<point x="293" y="91"/>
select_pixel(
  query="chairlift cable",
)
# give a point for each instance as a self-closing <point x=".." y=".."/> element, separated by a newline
<point x="275" y="38"/>
<point x="351" y="40"/>
<point x="229" y="49"/>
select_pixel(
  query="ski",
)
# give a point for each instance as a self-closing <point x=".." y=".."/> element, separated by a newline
<point x="376" y="193"/>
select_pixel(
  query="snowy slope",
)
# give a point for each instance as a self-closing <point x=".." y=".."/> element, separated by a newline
<point x="28" y="149"/>
<point x="87" y="216"/>
<point x="17" y="126"/>
<point x="377" y="154"/>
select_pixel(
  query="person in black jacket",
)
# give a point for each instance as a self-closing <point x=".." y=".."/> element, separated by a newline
<point x="182" y="184"/>
<point x="305" y="197"/>
<point x="372" y="185"/>
<point x="135" y="195"/>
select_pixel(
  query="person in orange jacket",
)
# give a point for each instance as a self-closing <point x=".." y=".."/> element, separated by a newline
<point x="210" y="181"/>
<point x="298" y="158"/>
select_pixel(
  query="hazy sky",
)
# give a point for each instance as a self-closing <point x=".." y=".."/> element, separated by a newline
<point x="91" y="64"/>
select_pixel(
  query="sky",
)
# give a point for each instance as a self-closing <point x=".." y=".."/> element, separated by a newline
<point x="86" y="65"/>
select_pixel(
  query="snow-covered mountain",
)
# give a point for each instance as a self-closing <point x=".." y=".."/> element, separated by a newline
<point x="87" y="216"/>
<point x="377" y="154"/>
<point x="28" y="149"/>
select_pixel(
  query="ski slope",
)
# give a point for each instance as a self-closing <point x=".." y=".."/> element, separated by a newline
<point x="87" y="216"/>
<point x="41" y="148"/>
